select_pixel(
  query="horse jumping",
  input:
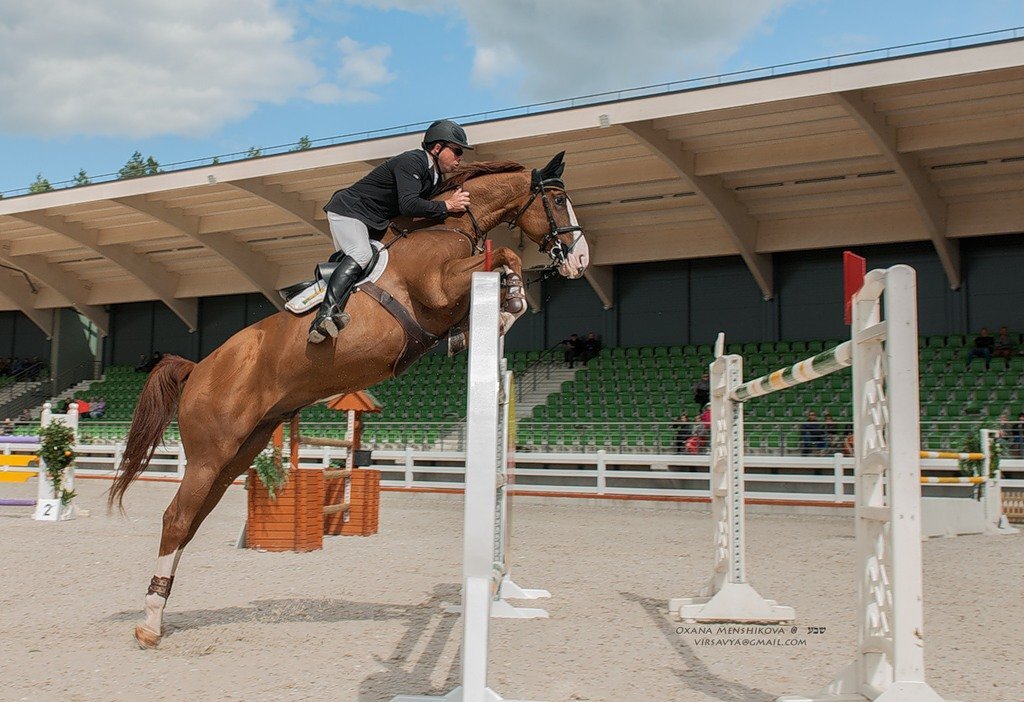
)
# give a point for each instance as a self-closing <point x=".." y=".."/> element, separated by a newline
<point x="230" y="403"/>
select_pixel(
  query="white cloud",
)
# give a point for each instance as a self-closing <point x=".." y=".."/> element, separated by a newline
<point x="572" y="47"/>
<point x="363" y="67"/>
<point x="130" y="68"/>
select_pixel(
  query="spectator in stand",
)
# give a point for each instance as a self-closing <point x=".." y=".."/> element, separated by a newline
<point x="573" y="349"/>
<point x="702" y="391"/>
<point x="1004" y="346"/>
<point x="699" y="439"/>
<point x="812" y="435"/>
<point x="983" y="346"/>
<point x="8" y="426"/>
<point x="833" y="434"/>
<point x="97" y="408"/>
<point x="591" y="347"/>
<point x="84" y="407"/>
<point x="149" y="364"/>
<point x="684" y="429"/>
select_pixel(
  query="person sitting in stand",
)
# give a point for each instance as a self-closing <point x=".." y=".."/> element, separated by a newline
<point x="684" y="428"/>
<point x="97" y="408"/>
<point x="401" y="186"/>
<point x="573" y="349"/>
<point x="1003" y="347"/>
<point x="591" y="347"/>
<point x="983" y="347"/>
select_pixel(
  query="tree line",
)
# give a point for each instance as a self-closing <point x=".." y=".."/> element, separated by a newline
<point x="137" y="166"/>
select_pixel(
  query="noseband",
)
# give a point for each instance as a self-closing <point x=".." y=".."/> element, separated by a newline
<point x="550" y="244"/>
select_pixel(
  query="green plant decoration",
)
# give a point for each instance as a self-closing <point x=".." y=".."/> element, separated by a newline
<point x="57" y="444"/>
<point x="972" y="444"/>
<point x="271" y="470"/>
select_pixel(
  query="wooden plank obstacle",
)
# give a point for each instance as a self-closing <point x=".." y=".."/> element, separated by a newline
<point x="314" y="503"/>
<point x="888" y="663"/>
<point x="489" y="476"/>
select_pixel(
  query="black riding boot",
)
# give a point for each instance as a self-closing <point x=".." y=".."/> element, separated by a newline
<point x="330" y="318"/>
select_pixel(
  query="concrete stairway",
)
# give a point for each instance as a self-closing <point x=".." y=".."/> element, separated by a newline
<point x="538" y="382"/>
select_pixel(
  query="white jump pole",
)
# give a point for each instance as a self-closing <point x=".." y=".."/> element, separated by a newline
<point x="48" y="504"/>
<point x="888" y="664"/>
<point x="484" y="558"/>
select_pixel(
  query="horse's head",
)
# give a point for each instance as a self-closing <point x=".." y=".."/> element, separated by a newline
<point x="547" y="218"/>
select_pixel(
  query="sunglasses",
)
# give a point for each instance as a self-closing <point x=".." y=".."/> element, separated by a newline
<point x="457" y="150"/>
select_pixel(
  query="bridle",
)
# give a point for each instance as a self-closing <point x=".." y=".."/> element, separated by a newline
<point x="550" y="244"/>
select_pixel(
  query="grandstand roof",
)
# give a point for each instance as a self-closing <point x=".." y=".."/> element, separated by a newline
<point x="928" y="147"/>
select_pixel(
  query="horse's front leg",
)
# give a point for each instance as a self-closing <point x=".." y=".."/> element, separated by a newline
<point x="457" y="280"/>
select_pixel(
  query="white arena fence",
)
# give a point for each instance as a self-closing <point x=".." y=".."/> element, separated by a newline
<point x="797" y="479"/>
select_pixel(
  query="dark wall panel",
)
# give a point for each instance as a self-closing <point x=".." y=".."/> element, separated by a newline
<point x="131" y="332"/>
<point x="653" y="303"/>
<point x="7" y="333"/>
<point x="257" y="307"/>
<point x="724" y="298"/>
<point x="809" y="287"/>
<point x="527" y="333"/>
<point x="995" y="286"/>
<point x="170" y="335"/>
<point x="29" y="340"/>
<point x="571" y="307"/>
<point x="219" y="318"/>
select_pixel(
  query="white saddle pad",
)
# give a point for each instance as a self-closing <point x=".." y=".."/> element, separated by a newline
<point x="314" y="294"/>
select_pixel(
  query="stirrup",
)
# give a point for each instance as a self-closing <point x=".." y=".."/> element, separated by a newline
<point x="330" y="325"/>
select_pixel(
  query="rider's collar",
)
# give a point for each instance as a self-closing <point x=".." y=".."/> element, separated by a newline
<point x="435" y="174"/>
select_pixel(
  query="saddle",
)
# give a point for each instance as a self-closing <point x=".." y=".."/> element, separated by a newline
<point x="303" y="297"/>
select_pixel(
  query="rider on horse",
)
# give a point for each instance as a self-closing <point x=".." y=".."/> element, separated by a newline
<point x="402" y="185"/>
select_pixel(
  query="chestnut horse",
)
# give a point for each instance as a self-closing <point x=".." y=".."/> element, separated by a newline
<point x="232" y="400"/>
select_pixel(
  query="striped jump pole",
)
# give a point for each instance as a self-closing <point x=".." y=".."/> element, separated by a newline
<point x="949" y="480"/>
<point x="825" y="363"/>
<point x="952" y="455"/>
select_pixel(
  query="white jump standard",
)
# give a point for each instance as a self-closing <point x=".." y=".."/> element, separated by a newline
<point x="485" y="522"/>
<point x="888" y="665"/>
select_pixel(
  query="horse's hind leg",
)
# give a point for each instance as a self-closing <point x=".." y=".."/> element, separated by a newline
<point x="200" y="491"/>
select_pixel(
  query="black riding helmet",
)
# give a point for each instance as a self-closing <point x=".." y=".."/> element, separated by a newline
<point x="447" y="131"/>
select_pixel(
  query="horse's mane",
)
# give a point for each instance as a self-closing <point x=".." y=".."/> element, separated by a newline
<point x="473" y="170"/>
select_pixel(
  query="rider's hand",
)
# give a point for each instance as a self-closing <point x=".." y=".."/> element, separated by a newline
<point x="458" y="202"/>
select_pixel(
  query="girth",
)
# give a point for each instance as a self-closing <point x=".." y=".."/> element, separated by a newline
<point x="417" y="339"/>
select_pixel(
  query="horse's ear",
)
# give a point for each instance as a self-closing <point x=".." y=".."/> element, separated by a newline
<point x="554" y="168"/>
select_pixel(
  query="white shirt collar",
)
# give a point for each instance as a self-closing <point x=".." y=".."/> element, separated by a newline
<point x="431" y="164"/>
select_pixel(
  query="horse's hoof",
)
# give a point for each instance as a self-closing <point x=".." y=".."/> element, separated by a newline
<point x="146" y="638"/>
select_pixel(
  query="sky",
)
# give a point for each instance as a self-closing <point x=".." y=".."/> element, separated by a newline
<point x="85" y="83"/>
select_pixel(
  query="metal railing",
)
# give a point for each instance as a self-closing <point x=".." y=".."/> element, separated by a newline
<point x="539" y="370"/>
<point x="762" y="438"/>
<point x="49" y="387"/>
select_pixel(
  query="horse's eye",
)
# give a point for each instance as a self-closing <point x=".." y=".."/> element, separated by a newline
<point x="560" y="200"/>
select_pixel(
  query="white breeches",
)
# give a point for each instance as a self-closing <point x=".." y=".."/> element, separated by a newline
<point x="351" y="236"/>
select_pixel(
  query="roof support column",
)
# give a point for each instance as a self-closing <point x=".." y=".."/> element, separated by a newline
<point x="923" y="193"/>
<point x="729" y="211"/>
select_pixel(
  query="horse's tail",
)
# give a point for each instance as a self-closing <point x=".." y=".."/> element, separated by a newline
<point x="156" y="407"/>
